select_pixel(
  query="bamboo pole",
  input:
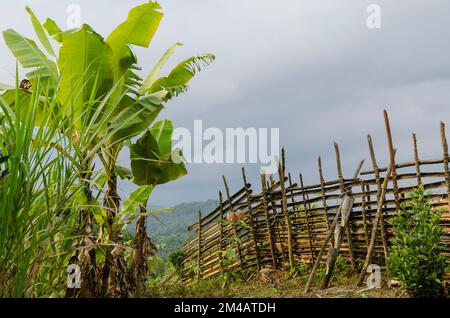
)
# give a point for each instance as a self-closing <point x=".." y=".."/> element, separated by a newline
<point x="238" y="245"/>
<point x="307" y="207"/>
<point x="199" y="258"/>
<point x="273" y="206"/>
<point x="358" y="170"/>
<point x="268" y="222"/>
<point x="379" y="193"/>
<point x="446" y="169"/>
<point x="291" y="192"/>
<point x="322" y="250"/>
<point x="348" y="231"/>
<point x="392" y="160"/>
<point x="416" y="159"/>
<point x="250" y="211"/>
<point x="375" y="226"/>
<point x="406" y="165"/>
<point x="365" y="196"/>
<point x="322" y="188"/>
<point x="281" y="174"/>
<point x="347" y="204"/>
<point x="221" y="221"/>
<point x="293" y="202"/>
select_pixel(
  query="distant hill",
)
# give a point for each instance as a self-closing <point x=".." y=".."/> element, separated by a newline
<point x="172" y="233"/>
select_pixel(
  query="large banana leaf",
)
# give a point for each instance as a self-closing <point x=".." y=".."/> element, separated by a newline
<point x="151" y="156"/>
<point x="53" y="30"/>
<point x="162" y="132"/>
<point x="29" y="55"/>
<point x="42" y="36"/>
<point x="127" y="214"/>
<point x="138" y="29"/>
<point x="153" y="76"/>
<point x="171" y="170"/>
<point x="137" y="117"/>
<point x="123" y="172"/>
<point x="180" y="76"/>
<point x="136" y="198"/>
<point x="145" y="160"/>
<point x="86" y="65"/>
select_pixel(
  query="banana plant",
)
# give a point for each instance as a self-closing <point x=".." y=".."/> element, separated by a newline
<point x="153" y="162"/>
<point x="95" y="82"/>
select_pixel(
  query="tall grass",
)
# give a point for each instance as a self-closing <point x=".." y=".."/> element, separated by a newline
<point x="37" y="187"/>
<point x="49" y="188"/>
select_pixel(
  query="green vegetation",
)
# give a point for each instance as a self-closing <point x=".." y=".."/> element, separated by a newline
<point x="170" y="230"/>
<point x="169" y="284"/>
<point x="39" y="197"/>
<point x="416" y="258"/>
<point x="62" y="130"/>
<point x="61" y="134"/>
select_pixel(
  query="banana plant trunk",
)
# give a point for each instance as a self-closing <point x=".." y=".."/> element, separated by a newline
<point x="143" y="248"/>
<point x="84" y="256"/>
<point x="116" y="282"/>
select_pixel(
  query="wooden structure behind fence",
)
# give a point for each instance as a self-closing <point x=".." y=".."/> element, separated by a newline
<point x="287" y="221"/>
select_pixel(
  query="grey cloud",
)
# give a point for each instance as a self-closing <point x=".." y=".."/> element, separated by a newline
<point x="311" y="68"/>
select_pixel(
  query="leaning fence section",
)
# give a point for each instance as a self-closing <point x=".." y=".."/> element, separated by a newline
<point x="286" y="221"/>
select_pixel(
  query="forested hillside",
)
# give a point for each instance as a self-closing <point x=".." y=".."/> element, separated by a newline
<point x="169" y="230"/>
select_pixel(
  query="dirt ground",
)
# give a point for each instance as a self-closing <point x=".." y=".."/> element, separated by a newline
<point x="281" y="286"/>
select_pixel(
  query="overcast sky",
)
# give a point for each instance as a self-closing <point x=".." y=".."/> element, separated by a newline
<point x="311" y="68"/>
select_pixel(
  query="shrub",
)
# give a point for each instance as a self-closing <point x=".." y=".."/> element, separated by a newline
<point x="176" y="258"/>
<point x="300" y="269"/>
<point x="416" y="258"/>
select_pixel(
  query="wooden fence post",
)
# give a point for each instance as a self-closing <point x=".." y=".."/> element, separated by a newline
<point x="238" y="245"/>
<point x="250" y="212"/>
<point x="392" y="160"/>
<point x="322" y="249"/>
<point x="376" y="170"/>
<point x="347" y="205"/>
<point x="281" y="174"/>
<point x="323" y="193"/>
<point x="342" y="189"/>
<point x="376" y="221"/>
<point x="199" y="259"/>
<point x="221" y="220"/>
<point x="364" y="197"/>
<point x="307" y="208"/>
<point x="416" y="160"/>
<point x="445" y="154"/>
<point x="294" y="206"/>
<point x="270" y="188"/>
<point x="268" y="222"/>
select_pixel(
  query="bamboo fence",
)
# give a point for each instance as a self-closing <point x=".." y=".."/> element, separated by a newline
<point x="288" y="222"/>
